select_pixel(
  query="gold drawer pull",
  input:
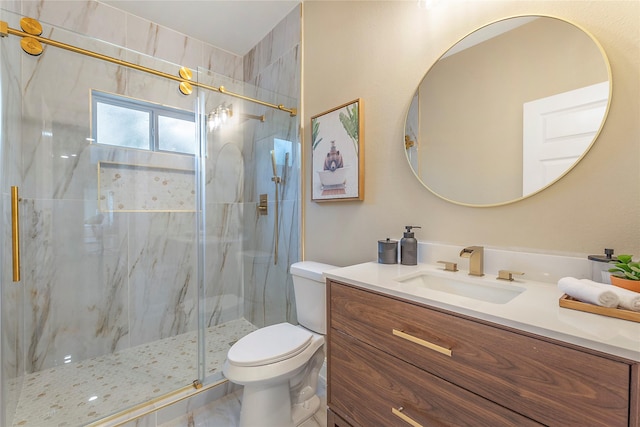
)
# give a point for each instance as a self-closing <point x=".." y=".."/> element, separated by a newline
<point x="398" y="413"/>
<point x="427" y="344"/>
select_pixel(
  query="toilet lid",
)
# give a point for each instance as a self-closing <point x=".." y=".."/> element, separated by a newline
<point x="269" y="345"/>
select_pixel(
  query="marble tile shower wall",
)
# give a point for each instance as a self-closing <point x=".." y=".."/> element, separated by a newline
<point x="273" y="64"/>
<point x="103" y="22"/>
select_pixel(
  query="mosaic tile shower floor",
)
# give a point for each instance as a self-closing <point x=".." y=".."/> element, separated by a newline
<point x="78" y="393"/>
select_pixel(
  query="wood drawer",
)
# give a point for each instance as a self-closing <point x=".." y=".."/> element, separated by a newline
<point x="334" y="420"/>
<point x="550" y="383"/>
<point x="367" y="383"/>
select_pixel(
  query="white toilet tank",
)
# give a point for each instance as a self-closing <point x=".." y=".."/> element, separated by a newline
<point x="310" y="291"/>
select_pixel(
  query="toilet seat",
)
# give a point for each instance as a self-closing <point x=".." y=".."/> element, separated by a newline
<point x="269" y="345"/>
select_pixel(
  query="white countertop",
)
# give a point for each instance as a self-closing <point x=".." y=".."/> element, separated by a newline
<point x="536" y="310"/>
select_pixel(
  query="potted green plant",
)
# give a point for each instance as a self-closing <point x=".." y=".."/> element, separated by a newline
<point x="626" y="273"/>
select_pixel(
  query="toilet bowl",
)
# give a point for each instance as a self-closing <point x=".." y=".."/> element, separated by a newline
<point x="278" y="365"/>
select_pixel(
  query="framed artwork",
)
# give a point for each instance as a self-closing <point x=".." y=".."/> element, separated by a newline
<point x="337" y="156"/>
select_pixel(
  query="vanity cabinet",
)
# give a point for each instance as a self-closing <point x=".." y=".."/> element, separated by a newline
<point x="395" y="362"/>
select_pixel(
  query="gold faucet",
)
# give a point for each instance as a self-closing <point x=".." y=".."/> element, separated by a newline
<point x="476" y="259"/>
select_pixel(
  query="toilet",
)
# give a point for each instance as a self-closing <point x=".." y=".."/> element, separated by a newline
<point x="278" y="365"/>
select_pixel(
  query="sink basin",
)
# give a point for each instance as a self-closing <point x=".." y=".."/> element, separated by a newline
<point x="477" y="289"/>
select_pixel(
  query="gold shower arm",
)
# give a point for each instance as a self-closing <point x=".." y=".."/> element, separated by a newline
<point x="5" y="30"/>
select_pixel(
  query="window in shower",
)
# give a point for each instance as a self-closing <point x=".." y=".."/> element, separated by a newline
<point x="132" y="123"/>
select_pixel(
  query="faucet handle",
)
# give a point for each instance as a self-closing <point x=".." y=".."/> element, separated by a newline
<point x="449" y="266"/>
<point x="507" y="274"/>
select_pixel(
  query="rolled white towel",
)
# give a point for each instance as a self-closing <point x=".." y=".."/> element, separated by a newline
<point x="627" y="299"/>
<point x="587" y="292"/>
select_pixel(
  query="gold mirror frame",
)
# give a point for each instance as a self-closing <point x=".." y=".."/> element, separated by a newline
<point x="416" y="143"/>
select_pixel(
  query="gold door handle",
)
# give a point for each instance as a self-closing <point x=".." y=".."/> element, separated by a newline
<point x="398" y="413"/>
<point x="15" y="233"/>
<point x="423" y="343"/>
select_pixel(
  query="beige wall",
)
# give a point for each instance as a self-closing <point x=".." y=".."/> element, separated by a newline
<point x="379" y="51"/>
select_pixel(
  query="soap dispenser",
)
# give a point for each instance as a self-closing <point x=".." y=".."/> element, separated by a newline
<point x="409" y="247"/>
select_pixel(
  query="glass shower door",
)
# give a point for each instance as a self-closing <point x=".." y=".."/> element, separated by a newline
<point x="222" y="181"/>
<point x="105" y="315"/>
<point x="12" y="296"/>
<point x="247" y="246"/>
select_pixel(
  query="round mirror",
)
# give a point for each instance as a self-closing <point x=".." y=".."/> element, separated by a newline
<point x="507" y="111"/>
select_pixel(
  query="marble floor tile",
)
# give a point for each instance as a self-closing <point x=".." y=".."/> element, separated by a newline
<point x="225" y="412"/>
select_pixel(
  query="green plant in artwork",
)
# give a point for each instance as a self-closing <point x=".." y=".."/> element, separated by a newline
<point x="315" y="128"/>
<point x="350" y="123"/>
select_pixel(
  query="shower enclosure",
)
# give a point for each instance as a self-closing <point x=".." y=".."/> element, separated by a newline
<point x="143" y="256"/>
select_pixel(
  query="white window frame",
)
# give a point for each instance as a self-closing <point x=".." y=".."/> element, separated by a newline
<point x="154" y="111"/>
